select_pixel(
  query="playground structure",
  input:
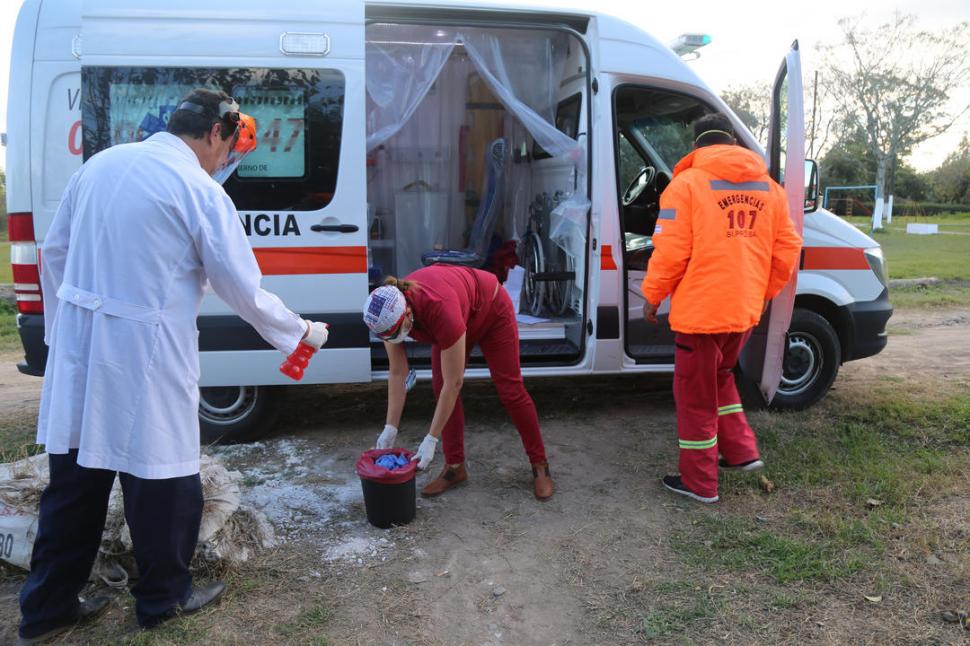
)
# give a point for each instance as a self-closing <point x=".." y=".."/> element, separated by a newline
<point x="850" y="204"/>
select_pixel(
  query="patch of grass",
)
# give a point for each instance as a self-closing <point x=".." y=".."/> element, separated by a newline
<point x="171" y="633"/>
<point x="17" y="439"/>
<point x="918" y="256"/>
<point x="739" y="544"/>
<point x="9" y="336"/>
<point x="308" y="623"/>
<point x="6" y="271"/>
<point x="947" y="222"/>
<point x="888" y="447"/>
<point x="784" y="600"/>
<point x="915" y="256"/>
<point x="952" y="293"/>
<point x="847" y="472"/>
<point x="663" y="609"/>
<point x="669" y="618"/>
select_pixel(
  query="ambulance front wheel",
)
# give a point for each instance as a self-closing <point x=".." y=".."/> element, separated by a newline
<point x="232" y="414"/>
<point x="811" y="362"/>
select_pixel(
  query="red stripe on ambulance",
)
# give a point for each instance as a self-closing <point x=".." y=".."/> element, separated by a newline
<point x="606" y="259"/>
<point x="834" y="258"/>
<point x="289" y="261"/>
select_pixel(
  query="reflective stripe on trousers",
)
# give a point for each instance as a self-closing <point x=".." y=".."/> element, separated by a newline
<point x="710" y="418"/>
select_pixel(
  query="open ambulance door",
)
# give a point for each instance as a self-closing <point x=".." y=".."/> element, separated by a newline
<point x="298" y="69"/>
<point x="763" y="356"/>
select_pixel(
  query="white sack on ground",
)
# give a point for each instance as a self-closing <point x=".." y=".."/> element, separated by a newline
<point x="230" y="532"/>
<point x="21" y="484"/>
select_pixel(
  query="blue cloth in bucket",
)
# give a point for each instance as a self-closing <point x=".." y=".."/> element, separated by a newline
<point x="391" y="462"/>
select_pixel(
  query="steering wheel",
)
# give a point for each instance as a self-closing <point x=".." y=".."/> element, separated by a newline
<point x="639" y="184"/>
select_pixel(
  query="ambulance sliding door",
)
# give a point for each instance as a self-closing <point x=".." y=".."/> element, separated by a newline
<point x="298" y="68"/>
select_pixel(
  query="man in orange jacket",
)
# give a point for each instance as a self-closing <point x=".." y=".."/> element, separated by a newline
<point x="724" y="247"/>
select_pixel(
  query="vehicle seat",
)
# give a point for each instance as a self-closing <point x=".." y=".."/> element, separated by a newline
<point x="476" y="254"/>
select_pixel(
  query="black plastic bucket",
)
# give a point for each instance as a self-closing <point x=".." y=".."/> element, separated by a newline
<point x="389" y="496"/>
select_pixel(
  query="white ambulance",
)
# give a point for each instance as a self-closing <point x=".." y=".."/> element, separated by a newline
<point x="534" y="142"/>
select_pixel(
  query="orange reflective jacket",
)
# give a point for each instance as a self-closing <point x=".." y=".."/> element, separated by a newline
<point x="724" y="242"/>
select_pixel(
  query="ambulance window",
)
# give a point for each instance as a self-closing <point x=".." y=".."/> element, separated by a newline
<point x="630" y="161"/>
<point x="298" y="113"/>
<point x="280" y="115"/>
<point x="661" y="122"/>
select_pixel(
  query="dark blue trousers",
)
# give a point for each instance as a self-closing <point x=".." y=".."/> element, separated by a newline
<point x="163" y="516"/>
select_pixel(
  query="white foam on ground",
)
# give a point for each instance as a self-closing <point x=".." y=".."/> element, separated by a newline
<point x="308" y="497"/>
<point x="297" y="499"/>
<point x="356" y="548"/>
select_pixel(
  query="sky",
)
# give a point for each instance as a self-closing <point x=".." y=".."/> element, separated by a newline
<point x="749" y="40"/>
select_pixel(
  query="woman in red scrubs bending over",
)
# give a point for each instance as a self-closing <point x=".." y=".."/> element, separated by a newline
<point x="453" y="308"/>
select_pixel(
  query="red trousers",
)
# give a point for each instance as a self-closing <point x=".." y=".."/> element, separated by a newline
<point x="498" y="337"/>
<point x="710" y="419"/>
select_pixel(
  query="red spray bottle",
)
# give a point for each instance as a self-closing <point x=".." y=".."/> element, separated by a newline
<point x="297" y="362"/>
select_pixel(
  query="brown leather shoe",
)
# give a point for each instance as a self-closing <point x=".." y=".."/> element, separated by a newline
<point x="448" y="478"/>
<point x="544" y="486"/>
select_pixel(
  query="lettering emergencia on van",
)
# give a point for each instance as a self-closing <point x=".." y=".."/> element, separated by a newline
<point x="263" y="224"/>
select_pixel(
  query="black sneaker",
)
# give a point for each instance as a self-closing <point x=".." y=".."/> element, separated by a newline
<point x="750" y="465"/>
<point x="674" y="484"/>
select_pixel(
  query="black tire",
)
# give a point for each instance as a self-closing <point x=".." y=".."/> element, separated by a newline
<point x="234" y="414"/>
<point x="811" y="363"/>
<point x="533" y="290"/>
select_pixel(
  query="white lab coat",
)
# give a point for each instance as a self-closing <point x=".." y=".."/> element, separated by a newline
<point x="139" y="230"/>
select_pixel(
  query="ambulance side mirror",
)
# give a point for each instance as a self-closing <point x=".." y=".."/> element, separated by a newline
<point x="811" y="186"/>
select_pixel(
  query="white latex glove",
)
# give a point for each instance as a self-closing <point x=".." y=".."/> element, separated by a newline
<point x="386" y="439"/>
<point x="425" y="453"/>
<point x="316" y="335"/>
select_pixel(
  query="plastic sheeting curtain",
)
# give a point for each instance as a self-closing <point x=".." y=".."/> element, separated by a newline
<point x="402" y="65"/>
<point x="522" y="69"/>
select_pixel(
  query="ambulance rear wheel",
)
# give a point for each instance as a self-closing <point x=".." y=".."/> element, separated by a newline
<point x="233" y="414"/>
<point x="811" y="362"/>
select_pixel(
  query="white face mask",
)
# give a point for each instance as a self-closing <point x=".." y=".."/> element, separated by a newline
<point x="403" y="332"/>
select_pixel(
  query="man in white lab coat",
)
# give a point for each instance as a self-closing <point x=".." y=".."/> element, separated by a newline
<point x="140" y="229"/>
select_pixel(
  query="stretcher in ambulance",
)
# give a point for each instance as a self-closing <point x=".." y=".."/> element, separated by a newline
<point x="531" y="142"/>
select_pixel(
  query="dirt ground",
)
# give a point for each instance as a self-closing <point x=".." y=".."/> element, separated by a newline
<point x="488" y="564"/>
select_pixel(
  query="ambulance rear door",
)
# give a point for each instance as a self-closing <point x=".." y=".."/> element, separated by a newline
<point x="298" y="68"/>
<point x="764" y="354"/>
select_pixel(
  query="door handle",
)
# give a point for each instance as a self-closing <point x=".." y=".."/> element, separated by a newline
<point x="337" y="228"/>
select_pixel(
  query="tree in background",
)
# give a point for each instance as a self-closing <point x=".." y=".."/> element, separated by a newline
<point x="850" y="162"/>
<point x="752" y="104"/>
<point x="951" y="181"/>
<point x="895" y="83"/>
<point x="823" y="124"/>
